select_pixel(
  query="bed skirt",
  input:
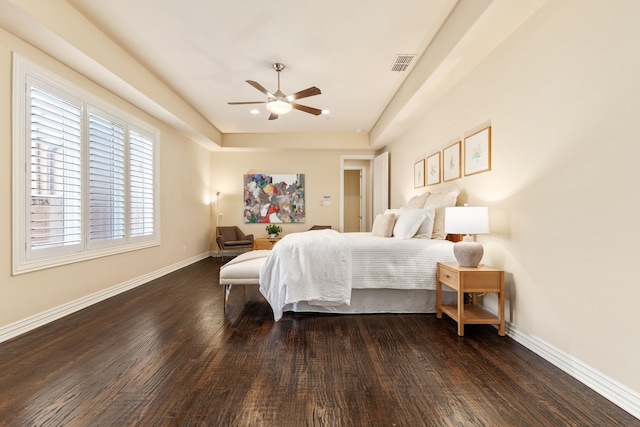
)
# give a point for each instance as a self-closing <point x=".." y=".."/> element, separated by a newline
<point x="382" y="301"/>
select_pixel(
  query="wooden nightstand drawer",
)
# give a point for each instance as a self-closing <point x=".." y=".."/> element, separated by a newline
<point x="448" y="276"/>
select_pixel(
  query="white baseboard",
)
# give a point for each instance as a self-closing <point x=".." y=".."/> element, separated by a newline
<point x="619" y="394"/>
<point x="12" y="330"/>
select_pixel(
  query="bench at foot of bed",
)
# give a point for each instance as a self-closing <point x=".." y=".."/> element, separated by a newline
<point x="242" y="270"/>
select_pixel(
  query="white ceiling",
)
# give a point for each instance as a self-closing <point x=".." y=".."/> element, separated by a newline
<point x="205" y="50"/>
<point x="188" y="58"/>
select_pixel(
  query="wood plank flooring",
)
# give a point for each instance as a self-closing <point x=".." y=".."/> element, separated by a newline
<point x="166" y="354"/>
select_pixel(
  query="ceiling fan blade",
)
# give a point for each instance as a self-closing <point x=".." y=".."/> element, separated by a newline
<point x="260" y="88"/>
<point x="310" y="91"/>
<point x="249" y="102"/>
<point x="273" y="116"/>
<point x="306" y="109"/>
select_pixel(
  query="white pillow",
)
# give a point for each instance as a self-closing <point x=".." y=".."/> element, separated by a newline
<point x="417" y="202"/>
<point x="426" y="228"/>
<point x="383" y="225"/>
<point x="408" y="223"/>
<point x="439" y="201"/>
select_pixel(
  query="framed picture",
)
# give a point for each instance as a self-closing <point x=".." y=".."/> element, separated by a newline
<point x="418" y="174"/>
<point x="477" y="152"/>
<point x="451" y="167"/>
<point x="433" y="169"/>
<point x="274" y="198"/>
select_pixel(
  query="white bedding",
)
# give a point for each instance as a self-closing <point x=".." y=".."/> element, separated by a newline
<point x="312" y="266"/>
<point x="391" y="263"/>
<point x="320" y="268"/>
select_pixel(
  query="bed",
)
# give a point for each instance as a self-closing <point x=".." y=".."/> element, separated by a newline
<point x="389" y="270"/>
<point x="329" y="272"/>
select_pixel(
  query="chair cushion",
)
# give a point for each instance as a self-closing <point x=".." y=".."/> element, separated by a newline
<point x="238" y="243"/>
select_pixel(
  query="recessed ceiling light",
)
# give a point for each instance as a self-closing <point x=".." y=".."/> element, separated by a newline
<point x="254" y="111"/>
<point x="325" y="111"/>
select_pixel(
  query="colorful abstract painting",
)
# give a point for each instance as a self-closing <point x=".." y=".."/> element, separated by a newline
<point x="275" y="198"/>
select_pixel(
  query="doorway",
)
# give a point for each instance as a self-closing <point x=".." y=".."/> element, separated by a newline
<point x="362" y="165"/>
<point x="353" y="200"/>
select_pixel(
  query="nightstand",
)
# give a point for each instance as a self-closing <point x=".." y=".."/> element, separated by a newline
<point x="473" y="281"/>
<point x="265" y="243"/>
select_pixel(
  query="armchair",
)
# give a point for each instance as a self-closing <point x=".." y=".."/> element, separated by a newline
<point x="231" y="237"/>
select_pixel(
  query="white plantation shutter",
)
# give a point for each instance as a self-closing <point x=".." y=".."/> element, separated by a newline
<point x="106" y="180"/>
<point x="84" y="174"/>
<point x="141" y="182"/>
<point x="55" y="157"/>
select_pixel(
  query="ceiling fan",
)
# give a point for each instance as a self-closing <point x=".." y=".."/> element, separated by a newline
<point x="278" y="103"/>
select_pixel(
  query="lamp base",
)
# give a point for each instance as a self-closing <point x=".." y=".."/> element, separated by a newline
<point x="468" y="253"/>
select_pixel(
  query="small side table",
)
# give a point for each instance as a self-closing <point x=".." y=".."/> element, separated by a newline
<point x="265" y="243"/>
<point x="473" y="281"/>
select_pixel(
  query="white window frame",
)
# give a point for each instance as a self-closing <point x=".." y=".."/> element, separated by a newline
<point x="26" y="260"/>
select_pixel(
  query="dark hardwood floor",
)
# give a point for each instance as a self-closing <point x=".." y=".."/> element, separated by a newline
<point x="166" y="354"/>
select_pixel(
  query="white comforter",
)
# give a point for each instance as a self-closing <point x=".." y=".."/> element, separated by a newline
<point x="312" y="266"/>
<point x="392" y="263"/>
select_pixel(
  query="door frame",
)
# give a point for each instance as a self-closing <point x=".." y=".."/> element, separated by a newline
<point x="343" y="158"/>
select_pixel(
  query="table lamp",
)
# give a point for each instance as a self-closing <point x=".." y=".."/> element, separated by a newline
<point x="467" y="220"/>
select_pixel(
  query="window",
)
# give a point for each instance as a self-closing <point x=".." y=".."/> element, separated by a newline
<point x="85" y="177"/>
<point x="55" y="178"/>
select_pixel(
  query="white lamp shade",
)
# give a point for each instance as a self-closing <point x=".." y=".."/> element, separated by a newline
<point x="466" y="220"/>
<point x="279" y="106"/>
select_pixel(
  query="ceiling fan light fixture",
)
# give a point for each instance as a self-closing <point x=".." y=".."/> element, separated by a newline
<point x="279" y="106"/>
<point x="279" y="103"/>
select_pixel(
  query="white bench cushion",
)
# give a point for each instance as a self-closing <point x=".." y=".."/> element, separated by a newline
<point x="243" y="269"/>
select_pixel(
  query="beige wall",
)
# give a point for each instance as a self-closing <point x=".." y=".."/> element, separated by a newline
<point x="322" y="178"/>
<point x="562" y="95"/>
<point x="184" y="196"/>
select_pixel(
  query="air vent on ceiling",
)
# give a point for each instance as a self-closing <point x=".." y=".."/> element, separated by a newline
<point x="402" y="62"/>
